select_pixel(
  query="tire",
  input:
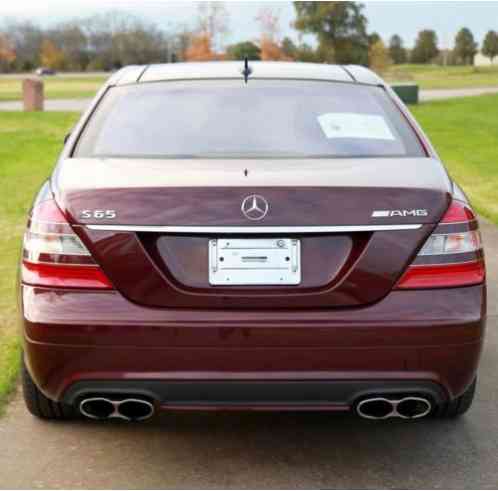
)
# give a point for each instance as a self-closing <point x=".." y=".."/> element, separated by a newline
<point x="460" y="405"/>
<point x="41" y="406"/>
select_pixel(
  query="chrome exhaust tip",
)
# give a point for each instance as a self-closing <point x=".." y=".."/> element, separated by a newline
<point x="375" y="408"/>
<point x="414" y="407"/>
<point x="129" y="409"/>
<point x="135" y="409"/>
<point x="97" y="408"/>
<point x="384" y="408"/>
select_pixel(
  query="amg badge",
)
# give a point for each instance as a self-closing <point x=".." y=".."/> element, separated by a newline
<point x="399" y="213"/>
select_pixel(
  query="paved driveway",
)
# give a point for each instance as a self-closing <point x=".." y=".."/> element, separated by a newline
<point x="80" y="104"/>
<point x="50" y="105"/>
<point x="254" y="450"/>
<point x="432" y="95"/>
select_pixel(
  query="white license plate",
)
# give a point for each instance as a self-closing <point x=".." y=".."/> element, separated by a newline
<point x="254" y="262"/>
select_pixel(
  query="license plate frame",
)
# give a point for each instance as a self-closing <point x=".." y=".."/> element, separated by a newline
<point x="254" y="262"/>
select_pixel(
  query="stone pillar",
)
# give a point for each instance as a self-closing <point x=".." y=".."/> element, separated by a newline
<point x="32" y="91"/>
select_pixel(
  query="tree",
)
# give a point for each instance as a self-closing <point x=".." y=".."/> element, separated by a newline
<point x="25" y="38"/>
<point x="200" y="48"/>
<point x="269" y="20"/>
<point x="51" y="56"/>
<point x="425" y="48"/>
<point x="271" y="51"/>
<point x="378" y="57"/>
<point x="340" y="27"/>
<point x="7" y="52"/>
<point x="373" y="38"/>
<point x="300" y="52"/>
<point x="213" y="22"/>
<point x="243" y="50"/>
<point x="115" y="39"/>
<point x="306" y="53"/>
<point x="180" y="44"/>
<point x="100" y="42"/>
<point x="289" y="49"/>
<point x="396" y="50"/>
<point x="138" y="44"/>
<point x="73" y="42"/>
<point x="465" y="46"/>
<point x="490" y="45"/>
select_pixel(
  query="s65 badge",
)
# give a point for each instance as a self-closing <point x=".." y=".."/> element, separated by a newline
<point x="98" y="214"/>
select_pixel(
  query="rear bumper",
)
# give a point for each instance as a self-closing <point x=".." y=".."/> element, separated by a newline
<point x="82" y="341"/>
<point x="263" y="395"/>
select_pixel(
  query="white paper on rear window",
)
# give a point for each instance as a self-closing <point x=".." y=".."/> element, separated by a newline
<point x="354" y="125"/>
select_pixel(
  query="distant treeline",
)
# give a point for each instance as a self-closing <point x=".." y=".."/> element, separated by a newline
<point x="102" y="42"/>
<point x="111" y="40"/>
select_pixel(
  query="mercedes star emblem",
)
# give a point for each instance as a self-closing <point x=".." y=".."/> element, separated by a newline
<point x="255" y="207"/>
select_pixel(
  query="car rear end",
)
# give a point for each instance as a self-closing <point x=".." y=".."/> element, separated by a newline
<point x="277" y="244"/>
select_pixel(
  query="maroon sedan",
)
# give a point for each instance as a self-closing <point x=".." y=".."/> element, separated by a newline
<point x="277" y="236"/>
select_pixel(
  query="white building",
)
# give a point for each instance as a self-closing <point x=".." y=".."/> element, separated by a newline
<point x="481" y="60"/>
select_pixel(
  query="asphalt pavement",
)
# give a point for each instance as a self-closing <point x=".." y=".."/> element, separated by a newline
<point x="438" y="94"/>
<point x="78" y="105"/>
<point x="265" y="450"/>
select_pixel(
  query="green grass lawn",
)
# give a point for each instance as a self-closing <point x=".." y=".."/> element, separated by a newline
<point x="29" y="143"/>
<point x="439" y="77"/>
<point x="55" y="87"/>
<point x="464" y="131"/>
<point x="465" y="134"/>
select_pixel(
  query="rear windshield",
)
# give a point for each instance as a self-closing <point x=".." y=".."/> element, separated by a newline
<point x="263" y="118"/>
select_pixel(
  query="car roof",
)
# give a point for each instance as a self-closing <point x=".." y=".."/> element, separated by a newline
<point x="233" y="70"/>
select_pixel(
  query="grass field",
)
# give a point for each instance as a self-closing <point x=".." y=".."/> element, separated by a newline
<point x="427" y="76"/>
<point x="29" y="143"/>
<point x="439" y="77"/>
<point x="55" y="87"/>
<point x="465" y="134"/>
<point x="464" y="131"/>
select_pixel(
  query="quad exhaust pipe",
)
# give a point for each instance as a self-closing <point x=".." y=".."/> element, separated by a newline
<point x="384" y="408"/>
<point x="134" y="409"/>
<point x="130" y="409"/>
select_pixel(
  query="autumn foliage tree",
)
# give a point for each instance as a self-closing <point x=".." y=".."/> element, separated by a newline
<point x="7" y="52"/>
<point x="213" y="21"/>
<point x="269" y="20"/>
<point x="212" y="26"/>
<point x="51" y="56"/>
<point x="200" y="48"/>
<point x="270" y="50"/>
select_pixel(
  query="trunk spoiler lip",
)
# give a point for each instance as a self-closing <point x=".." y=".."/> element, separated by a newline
<point x="200" y="229"/>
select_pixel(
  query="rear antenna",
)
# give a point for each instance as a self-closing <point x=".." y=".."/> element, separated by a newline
<point x="247" y="70"/>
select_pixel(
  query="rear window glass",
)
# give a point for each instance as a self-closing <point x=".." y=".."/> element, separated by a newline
<point x="263" y="118"/>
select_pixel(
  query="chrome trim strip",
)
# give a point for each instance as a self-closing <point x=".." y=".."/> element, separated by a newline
<point x="175" y="229"/>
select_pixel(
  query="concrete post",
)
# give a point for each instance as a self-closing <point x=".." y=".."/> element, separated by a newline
<point x="32" y="90"/>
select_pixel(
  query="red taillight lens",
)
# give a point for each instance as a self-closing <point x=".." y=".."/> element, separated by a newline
<point x="458" y="212"/>
<point x="443" y="275"/>
<point x="53" y="255"/>
<point x="452" y="256"/>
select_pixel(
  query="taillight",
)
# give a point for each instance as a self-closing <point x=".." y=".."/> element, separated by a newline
<point x="451" y="256"/>
<point x="53" y="255"/>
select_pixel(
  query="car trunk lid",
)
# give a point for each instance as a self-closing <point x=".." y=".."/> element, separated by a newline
<point x="359" y="222"/>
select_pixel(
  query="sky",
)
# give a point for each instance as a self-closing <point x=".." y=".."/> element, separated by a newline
<point x="405" y="18"/>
